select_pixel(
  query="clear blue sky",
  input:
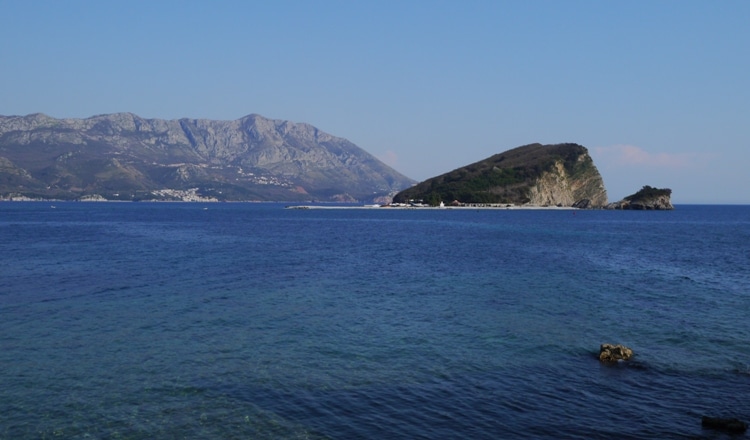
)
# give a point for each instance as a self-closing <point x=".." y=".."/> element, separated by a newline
<point x="658" y="91"/>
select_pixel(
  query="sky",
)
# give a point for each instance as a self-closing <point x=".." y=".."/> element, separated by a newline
<point x="657" y="90"/>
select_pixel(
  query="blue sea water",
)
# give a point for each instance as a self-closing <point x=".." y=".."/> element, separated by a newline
<point x="233" y="321"/>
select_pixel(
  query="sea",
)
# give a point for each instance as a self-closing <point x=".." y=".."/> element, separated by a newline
<point x="252" y="321"/>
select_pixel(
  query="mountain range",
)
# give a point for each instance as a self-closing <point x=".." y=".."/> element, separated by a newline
<point x="122" y="156"/>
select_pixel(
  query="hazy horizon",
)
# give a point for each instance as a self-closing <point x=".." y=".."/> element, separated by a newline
<point x="657" y="91"/>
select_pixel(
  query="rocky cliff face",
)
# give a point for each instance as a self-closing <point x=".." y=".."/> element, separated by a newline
<point x="543" y="175"/>
<point x="124" y="156"/>
<point x="578" y="184"/>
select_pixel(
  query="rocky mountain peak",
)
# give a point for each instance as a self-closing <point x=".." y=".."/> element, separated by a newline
<point x="251" y="158"/>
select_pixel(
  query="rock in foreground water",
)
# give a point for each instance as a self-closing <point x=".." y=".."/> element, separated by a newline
<point x="614" y="353"/>
<point x="729" y="425"/>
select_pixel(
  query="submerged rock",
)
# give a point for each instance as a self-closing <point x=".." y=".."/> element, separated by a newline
<point x="729" y="425"/>
<point x="614" y="353"/>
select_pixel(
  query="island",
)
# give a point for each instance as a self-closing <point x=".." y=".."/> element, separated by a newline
<point x="648" y="198"/>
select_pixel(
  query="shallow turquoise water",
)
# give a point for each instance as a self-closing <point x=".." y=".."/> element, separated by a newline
<point x="138" y="320"/>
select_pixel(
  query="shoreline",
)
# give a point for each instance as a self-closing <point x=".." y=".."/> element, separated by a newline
<point x="331" y="205"/>
<point x="439" y="208"/>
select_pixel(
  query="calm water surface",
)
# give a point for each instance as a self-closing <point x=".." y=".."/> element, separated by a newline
<point x="142" y="321"/>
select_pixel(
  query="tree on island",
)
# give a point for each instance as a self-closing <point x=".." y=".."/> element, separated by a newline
<point x="649" y="192"/>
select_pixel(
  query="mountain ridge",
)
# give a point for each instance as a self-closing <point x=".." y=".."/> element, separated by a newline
<point x="125" y="156"/>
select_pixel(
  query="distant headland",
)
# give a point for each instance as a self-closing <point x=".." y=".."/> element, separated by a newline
<point x="123" y="157"/>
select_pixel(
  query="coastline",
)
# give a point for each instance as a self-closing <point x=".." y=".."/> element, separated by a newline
<point x="439" y="208"/>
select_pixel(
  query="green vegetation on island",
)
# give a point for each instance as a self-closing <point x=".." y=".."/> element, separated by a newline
<point x="649" y="192"/>
<point x="561" y="174"/>
<point x="648" y="198"/>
